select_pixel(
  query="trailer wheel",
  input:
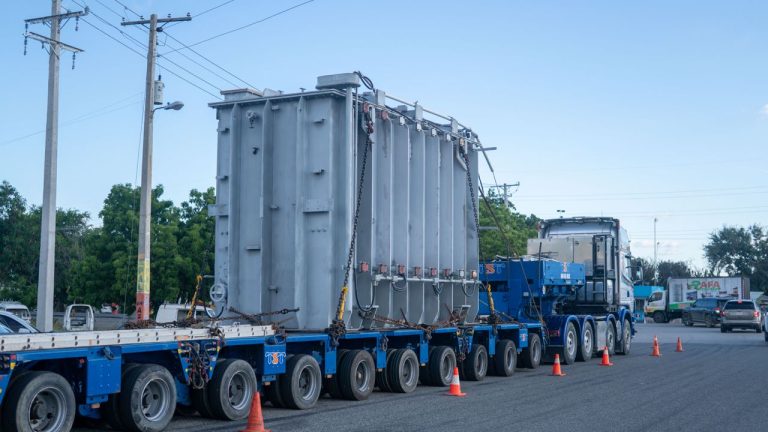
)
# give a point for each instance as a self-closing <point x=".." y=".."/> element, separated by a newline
<point x="148" y="399"/>
<point x="110" y="411"/>
<point x="231" y="389"/>
<point x="610" y="338"/>
<point x="626" y="339"/>
<point x="531" y="357"/>
<point x="39" y="401"/>
<point x="199" y="398"/>
<point x="272" y="393"/>
<point x="505" y="360"/>
<point x="301" y="384"/>
<point x="382" y="380"/>
<point x="357" y="375"/>
<point x="476" y="365"/>
<point x="331" y="385"/>
<point x="403" y="371"/>
<point x="586" y="344"/>
<point x="571" y="345"/>
<point x="425" y="377"/>
<point x="442" y="361"/>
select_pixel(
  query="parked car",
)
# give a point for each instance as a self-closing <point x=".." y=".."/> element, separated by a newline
<point x="14" y="324"/>
<point x="741" y="314"/>
<point x="704" y="311"/>
<point x="17" y="309"/>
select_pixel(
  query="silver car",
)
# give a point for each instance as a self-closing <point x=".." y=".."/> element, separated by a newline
<point x="741" y="314"/>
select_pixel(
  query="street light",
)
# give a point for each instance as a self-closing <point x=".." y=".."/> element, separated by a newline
<point x="145" y="206"/>
<point x="171" y="106"/>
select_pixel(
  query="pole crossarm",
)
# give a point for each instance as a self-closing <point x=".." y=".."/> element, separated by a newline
<point x="159" y="21"/>
<point x="44" y="39"/>
<point x="63" y="16"/>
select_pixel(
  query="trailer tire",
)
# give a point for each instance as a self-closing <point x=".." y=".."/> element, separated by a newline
<point x="530" y="357"/>
<point x="199" y="398"/>
<point x="382" y="380"/>
<point x="357" y="375"/>
<point x="425" y="377"/>
<point x="586" y="343"/>
<point x="403" y="371"/>
<point x="331" y="385"/>
<point x="442" y="361"/>
<point x="505" y="360"/>
<point x="301" y="385"/>
<point x="571" y="346"/>
<point x="272" y="392"/>
<point x="148" y="399"/>
<point x="37" y="389"/>
<point x="231" y="389"/>
<point x="626" y="338"/>
<point x="610" y="338"/>
<point x="110" y="410"/>
<point x="476" y="364"/>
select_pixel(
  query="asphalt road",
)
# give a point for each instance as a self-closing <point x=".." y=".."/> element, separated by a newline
<point x="718" y="383"/>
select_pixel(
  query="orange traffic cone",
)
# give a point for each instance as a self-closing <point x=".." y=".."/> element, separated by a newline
<point x="679" y="345"/>
<point x="556" y="371"/>
<point x="255" y="420"/>
<point x="606" y="359"/>
<point x="455" y="389"/>
<point x="656" y="352"/>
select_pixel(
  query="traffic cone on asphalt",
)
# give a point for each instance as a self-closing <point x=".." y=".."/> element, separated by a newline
<point x="679" y="345"/>
<point x="656" y="352"/>
<point x="455" y="389"/>
<point x="255" y="419"/>
<point x="556" y="371"/>
<point x="606" y="359"/>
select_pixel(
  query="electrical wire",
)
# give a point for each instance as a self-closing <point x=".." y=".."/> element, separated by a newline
<point x="242" y="27"/>
<point x="198" y="15"/>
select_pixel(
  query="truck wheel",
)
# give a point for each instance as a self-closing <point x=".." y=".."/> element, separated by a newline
<point x="570" y="345"/>
<point x="272" y="392"/>
<point x="110" y="411"/>
<point x="356" y="376"/>
<point x="39" y="401"/>
<point x="505" y="360"/>
<point x="659" y="318"/>
<point x="626" y="339"/>
<point x="610" y="338"/>
<point x="301" y="384"/>
<point x="425" y="377"/>
<point x="148" y="399"/>
<point x="231" y="389"/>
<point x="476" y="365"/>
<point x="723" y="328"/>
<point x="531" y="357"/>
<point x="403" y="371"/>
<point x="442" y="361"/>
<point x="586" y="344"/>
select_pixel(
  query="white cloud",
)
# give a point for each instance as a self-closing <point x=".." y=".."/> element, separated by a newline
<point x="764" y="110"/>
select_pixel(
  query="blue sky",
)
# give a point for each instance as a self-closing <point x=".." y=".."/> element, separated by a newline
<point x="631" y="109"/>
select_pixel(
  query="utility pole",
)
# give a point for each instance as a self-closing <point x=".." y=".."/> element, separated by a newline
<point x="655" y="245"/>
<point x="505" y="187"/>
<point x="145" y="211"/>
<point x="45" y="281"/>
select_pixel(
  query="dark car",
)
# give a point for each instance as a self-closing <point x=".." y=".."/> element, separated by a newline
<point x="704" y="311"/>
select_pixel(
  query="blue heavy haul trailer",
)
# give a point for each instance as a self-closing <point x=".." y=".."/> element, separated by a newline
<point x="293" y="193"/>
<point x="577" y="294"/>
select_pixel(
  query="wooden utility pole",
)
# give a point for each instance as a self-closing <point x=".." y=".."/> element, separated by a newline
<point x="45" y="282"/>
<point x="145" y="211"/>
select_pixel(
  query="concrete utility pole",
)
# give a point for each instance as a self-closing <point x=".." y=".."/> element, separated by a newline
<point x="505" y="187"/>
<point x="655" y="245"/>
<point x="45" y="282"/>
<point x="145" y="211"/>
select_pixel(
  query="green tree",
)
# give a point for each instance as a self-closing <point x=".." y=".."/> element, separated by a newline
<point x="503" y="231"/>
<point x="664" y="270"/>
<point x="740" y="251"/>
<point x="196" y="239"/>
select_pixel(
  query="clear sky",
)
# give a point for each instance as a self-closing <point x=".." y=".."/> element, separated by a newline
<point x="628" y="109"/>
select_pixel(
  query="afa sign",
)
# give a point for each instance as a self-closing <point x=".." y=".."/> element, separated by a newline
<point x="704" y="284"/>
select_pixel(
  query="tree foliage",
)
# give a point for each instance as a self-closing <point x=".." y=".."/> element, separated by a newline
<point x="663" y="270"/>
<point x="740" y="251"/>
<point x="98" y="264"/>
<point x="503" y="232"/>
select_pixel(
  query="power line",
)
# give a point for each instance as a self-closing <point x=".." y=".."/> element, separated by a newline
<point x="198" y="15"/>
<point x="127" y="8"/>
<point x="209" y="61"/>
<point x="241" y="27"/>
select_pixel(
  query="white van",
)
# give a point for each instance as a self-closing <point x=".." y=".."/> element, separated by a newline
<point x="17" y="309"/>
